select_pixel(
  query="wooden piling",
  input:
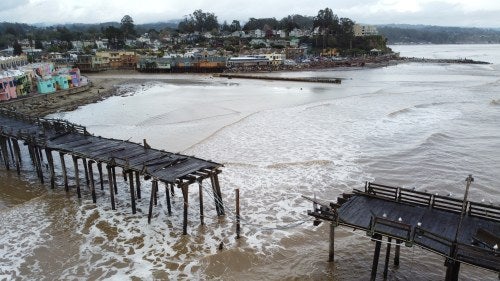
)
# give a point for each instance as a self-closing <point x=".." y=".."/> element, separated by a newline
<point x="167" y="193"/>
<point x="50" y="161"/>
<point x="132" y="192"/>
<point x="91" y="181"/>
<point x="86" y="172"/>
<point x="376" y="256"/>
<point x="216" y="195"/>
<point x="115" y="186"/>
<point x="185" y="196"/>
<point x="9" y="143"/>
<point x="238" y="227"/>
<point x="17" y="156"/>
<point x="5" y="154"/>
<point x="153" y="190"/>
<point x="64" y="172"/>
<point x="101" y="178"/>
<point x="77" y="177"/>
<point x="387" y="257"/>
<point x="200" y="187"/>
<point x="155" y="197"/>
<point x="17" y="150"/>
<point x="396" y="252"/>
<point x="110" y="182"/>
<point x="38" y="163"/>
<point x="219" y="194"/>
<point x="331" y="250"/>
<point x="138" y="185"/>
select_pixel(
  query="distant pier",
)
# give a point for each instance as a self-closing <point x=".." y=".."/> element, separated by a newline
<point x="291" y="79"/>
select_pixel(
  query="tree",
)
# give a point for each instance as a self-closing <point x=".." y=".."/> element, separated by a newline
<point x="288" y="24"/>
<point x="38" y="44"/>
<point x="18" y="50"/>
<point x="328" y="24"/>
<point x="115" y="37"/>
<point x="235" y="26"/>
<point x="199" y="21"/>
<point x="127" y="27"/>
<point x="346" y="32"/>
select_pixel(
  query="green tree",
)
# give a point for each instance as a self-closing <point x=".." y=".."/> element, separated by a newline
<point x="328" y="24"/>
<point x="38" y="44"/>
<point x="18" y="50"/>
<point x="115" y="37"/>
<point x="127" y="27"/>
<point x="235" y="26"/>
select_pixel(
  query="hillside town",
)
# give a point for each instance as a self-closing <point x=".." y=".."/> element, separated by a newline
<point x="199" y="44"/>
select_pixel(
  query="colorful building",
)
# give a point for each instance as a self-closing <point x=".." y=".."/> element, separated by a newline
<point x="7" y="87"/>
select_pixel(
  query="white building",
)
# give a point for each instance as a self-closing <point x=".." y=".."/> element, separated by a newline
<point x="364" y="30"/>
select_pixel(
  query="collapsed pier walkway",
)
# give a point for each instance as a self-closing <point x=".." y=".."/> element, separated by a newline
<point x="461" y="231"/>
<point x="46" y="137"/>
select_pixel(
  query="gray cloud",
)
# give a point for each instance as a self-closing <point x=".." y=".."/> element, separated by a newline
<point x="12" y="4"/>
<point x="440" y="12"/>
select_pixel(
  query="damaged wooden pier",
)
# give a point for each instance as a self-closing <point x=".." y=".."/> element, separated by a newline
<point x="290" y="79"/>
<point x="461" y="231"/>
<point x="49" y="137"/>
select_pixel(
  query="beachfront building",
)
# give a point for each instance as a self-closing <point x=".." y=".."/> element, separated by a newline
<point x="90" y="63"/>
<point x="275" y="59"/>
<point x="12" y="62"/>
<point x="7" y="87"/>
<point x="119" y="59"/>
<point x="244" y="61"/>
<point x="361" y="30"/>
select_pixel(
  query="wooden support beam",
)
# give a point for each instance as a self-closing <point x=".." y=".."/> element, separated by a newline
<point x="64" y="172"/>
<point x="238" y="227"/>
<point x="167" y="193"/>
<point x="11" y="151"/>
<point x="110" y="182"/>
<point x="101" y="178"/>
<point x="17" y="150"/>
<point x="77" y="176"/>
<point x="86" y="172"/>
<point x="216" y="196"/>
<point x="5" y="154"/>
<point x="396" y="252"/>
<point x="91" y="180"/>
<point x="185" y="196"/>
<point x="331" y="249"/>
<point x="38" y="161"/>
<point x="155" y="187"/>
<point x="50" y="161"/>
<point x="17" y="156"/>
<point x="200" y="187"/>
<point x="376" y="256"/>
<point x="217" y="186"/>
<point x="124" y="173"/>
<point x="115" y="186"/>
<point x="132" y="192"/>
<point x="452" y="267"/>
<point x="138" y="185"/>
<point x="172" y="191"/>
<point x="153" y="190"/>
<point x="387" y="257"/>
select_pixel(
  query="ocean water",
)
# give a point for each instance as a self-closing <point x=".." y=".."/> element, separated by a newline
<point x="415" y="125"/>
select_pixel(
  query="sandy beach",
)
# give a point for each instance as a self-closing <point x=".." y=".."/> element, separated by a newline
<point x="42" y="105"/>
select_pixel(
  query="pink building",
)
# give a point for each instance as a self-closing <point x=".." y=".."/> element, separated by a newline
<point x="7" y="88"/>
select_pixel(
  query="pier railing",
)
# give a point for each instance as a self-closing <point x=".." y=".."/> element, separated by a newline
<point x="445" y="203"/>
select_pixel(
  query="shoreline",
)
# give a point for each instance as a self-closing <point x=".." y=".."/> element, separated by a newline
<point x="106" y="84"/>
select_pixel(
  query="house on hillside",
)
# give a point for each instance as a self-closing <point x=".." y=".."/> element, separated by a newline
<point x="361" y="30"/>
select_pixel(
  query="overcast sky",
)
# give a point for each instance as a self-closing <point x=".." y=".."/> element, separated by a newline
<point x="476" y="13"/>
